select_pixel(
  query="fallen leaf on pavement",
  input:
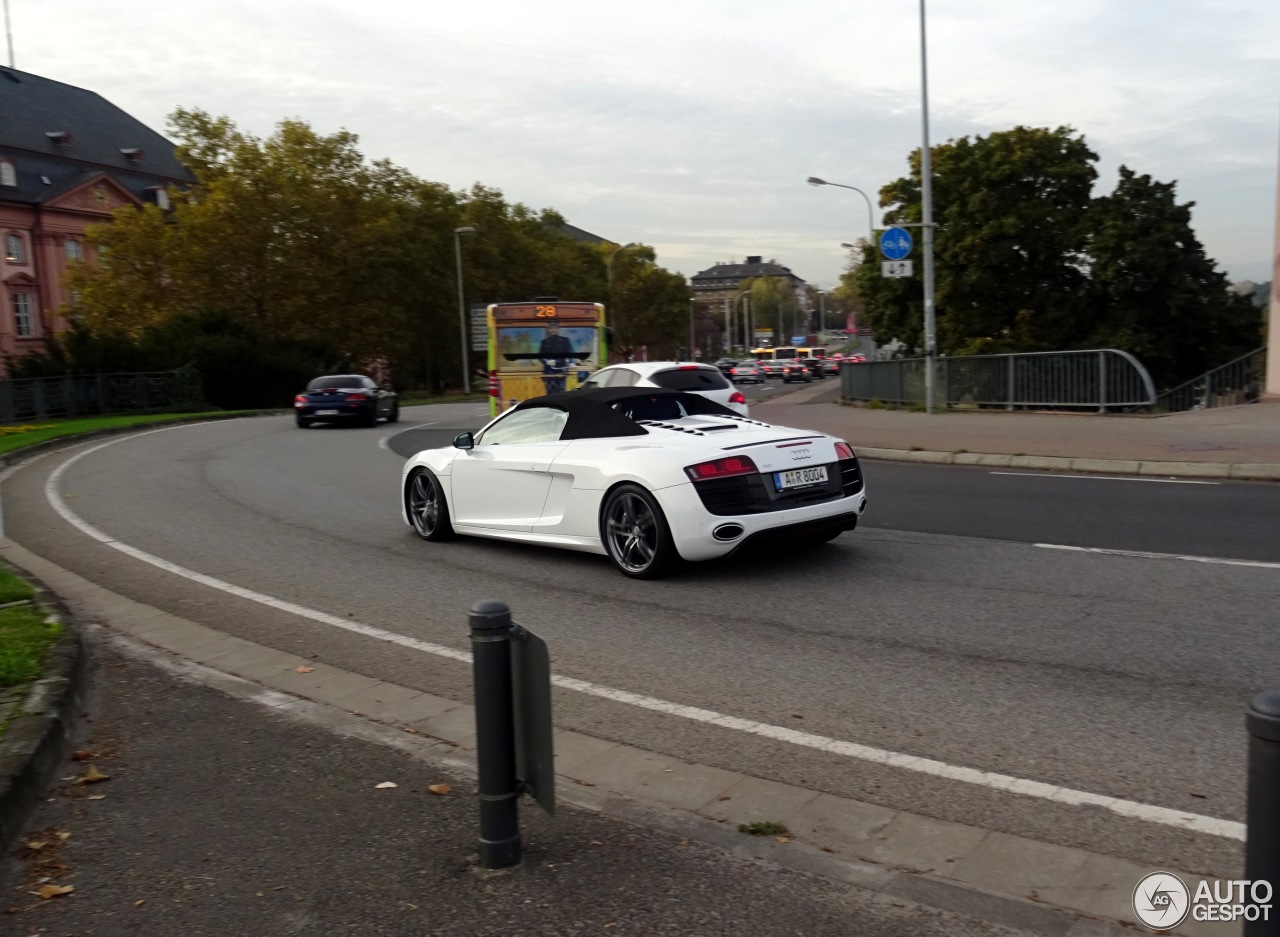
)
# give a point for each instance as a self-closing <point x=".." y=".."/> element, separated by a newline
<point x="596" y="842"/>
<point x="303" y="668"/>
<point x="96" y="797"/>
<point x="82" y="755"/>
<point x="62" y="835"/>
<point x="35" y="845"/>
<point x="410" y="729"/>
<point x="53" y="891"/>
<point x="722" y="798"/>
<point x="783" y="839"/>
<point x="140" y="902"/>
<point x="386" y="784"/>
<point x="1199" y="796"/>
<point x="93" y="776"/>
<point x="826" y="849"/>
<point x="583" y="783"/>
<point x="439" y="789"/>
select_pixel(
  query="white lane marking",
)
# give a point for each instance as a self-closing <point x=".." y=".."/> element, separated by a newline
<point x="1142" y="554"/>
<point x="1111" y="478"/>
<point x="1150" y="813"/>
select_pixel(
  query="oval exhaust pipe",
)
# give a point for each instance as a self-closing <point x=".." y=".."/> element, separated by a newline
<point x="727" y="532"/>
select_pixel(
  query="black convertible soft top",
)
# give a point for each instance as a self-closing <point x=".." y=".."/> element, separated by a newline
<point x="601" y="412"/>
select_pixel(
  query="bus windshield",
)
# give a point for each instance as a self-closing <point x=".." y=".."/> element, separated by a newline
<point x="541" y="348"/>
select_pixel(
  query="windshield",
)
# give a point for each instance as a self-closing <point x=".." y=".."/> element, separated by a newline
<point x="335" y="381"/>
<point x="690" y="379"/>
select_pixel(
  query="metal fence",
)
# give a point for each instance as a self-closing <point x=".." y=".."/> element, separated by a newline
<point x="1236" y="382"/>
<point x="1098" y="379"/>
<point x="41" y="398"/>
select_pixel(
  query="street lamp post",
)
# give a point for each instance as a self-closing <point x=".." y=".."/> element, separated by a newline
<point x="926" y="202"/>
<point x="871" y="215"/>
<point x="608" y="267"/>
<point x="693" y="308"/>
<point x="822" y="312"/>
<point x="462" y="307"/>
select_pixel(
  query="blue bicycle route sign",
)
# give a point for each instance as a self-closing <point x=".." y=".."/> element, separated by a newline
<point x="895" y="243"/>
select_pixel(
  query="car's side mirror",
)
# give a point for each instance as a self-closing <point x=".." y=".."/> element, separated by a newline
<point x="464" y="441"/>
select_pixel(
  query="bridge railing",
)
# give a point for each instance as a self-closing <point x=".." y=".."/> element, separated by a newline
<point x="1098" y="379"/>
<point x="1236" y="382"/>
<point x="41" y="398"/>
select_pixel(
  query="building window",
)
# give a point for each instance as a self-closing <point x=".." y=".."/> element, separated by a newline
<point x="13" y="249"/>
<point x="75" y="250"/>
<point x="162" y="198"/>
<point x="23" y="326"/>
<point x="8" y="175"/>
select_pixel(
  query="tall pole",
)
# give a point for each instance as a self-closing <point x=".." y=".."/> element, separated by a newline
<point x="8" y="32"/>
<point x="693" y="308"/>
<point x="1271" y="390"/>
<point x="462" y="313"/>
<point x="926" y="199"/>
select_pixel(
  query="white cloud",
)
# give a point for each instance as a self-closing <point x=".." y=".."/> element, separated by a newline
<point x="693" y="125"/>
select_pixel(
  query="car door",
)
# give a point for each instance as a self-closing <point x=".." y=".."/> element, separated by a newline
<point x="502" y="482"/>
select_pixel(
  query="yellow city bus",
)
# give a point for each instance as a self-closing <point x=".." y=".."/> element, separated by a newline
<point x="542" y="347"/>
<point x="774" y="354"/>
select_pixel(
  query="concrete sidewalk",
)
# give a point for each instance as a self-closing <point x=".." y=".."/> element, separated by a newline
<point x="876" y="854"/>
<point x="1210" y="442"/>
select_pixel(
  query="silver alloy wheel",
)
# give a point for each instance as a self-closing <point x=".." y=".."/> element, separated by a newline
<point x="424" y="504"/>
<point x="632" y="532"/>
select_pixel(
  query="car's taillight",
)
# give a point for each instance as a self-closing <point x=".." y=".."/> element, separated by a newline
<point x="356" y="398"/>
<point x="844" y="450"/>
<point x="300" y="400"/>
<point x="721" y="468"/>
<point x="736" y="397"/>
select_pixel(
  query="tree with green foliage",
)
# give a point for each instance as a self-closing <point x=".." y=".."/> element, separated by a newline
<point x="649" y="305"/>
<point x="774" y="306"/>
<point x="1027" y="260"/>
<point x="1155" y="292"/>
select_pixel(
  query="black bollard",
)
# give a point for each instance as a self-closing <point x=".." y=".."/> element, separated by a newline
<point x="495" y="735"/>
<point x="1262" y="816"/>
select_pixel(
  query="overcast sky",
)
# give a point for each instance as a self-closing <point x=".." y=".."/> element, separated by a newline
<point x="693" y="125"/>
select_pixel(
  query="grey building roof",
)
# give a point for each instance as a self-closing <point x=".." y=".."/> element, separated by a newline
<point x="754" y="267"/>
<point x="32" y="108"/>
<point x="579" y="235"/>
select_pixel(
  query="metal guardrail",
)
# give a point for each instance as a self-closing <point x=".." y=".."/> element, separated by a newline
<point x="41" y="398"/>
<point x="1234" y="383"/>
<point x="1098" y="379"/>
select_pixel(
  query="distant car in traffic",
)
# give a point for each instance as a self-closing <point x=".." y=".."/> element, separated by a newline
<point x="795" y="369"/>
<point x="726" y="365"/>
<point x="345" y="398"/>
<point x="816" y="367"/>
<point x="832" y="364"/>
<point x="747" y="371"/>
<point x="703" y="379"/>
<point x="773" y="368"/>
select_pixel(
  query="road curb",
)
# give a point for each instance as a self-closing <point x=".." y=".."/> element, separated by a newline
<point x="38" y="739"/>
<point x="1244" y="471"/>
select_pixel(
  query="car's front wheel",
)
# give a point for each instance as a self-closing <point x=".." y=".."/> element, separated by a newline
<point x="636" y="534"/>
<point x="427" y="509"/>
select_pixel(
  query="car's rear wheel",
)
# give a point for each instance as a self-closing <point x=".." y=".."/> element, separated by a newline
<point x="302" y="421"/>
<point x="636" y="534"/>
<point x="394" y="416"/>
<point x="427" y="509"/>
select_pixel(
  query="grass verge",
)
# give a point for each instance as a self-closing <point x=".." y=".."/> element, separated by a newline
<point x="24" y="637"/>
<point x="13" y="589"/>
<point x="13" y="438"/>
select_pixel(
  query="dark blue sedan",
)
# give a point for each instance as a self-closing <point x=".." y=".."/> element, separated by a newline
<point x="345" y="398"/>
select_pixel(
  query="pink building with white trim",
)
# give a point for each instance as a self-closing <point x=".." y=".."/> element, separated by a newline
<point x="68" y="158"/>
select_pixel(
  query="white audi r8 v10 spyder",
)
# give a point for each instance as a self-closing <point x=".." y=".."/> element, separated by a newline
<point x="645" y="476"/>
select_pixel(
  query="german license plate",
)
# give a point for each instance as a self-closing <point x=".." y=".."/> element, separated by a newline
<point x="326" y="413"/>
<point x="800" y="478"/>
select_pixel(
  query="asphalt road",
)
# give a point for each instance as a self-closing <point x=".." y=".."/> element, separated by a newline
<point x="1118" y="675"/>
